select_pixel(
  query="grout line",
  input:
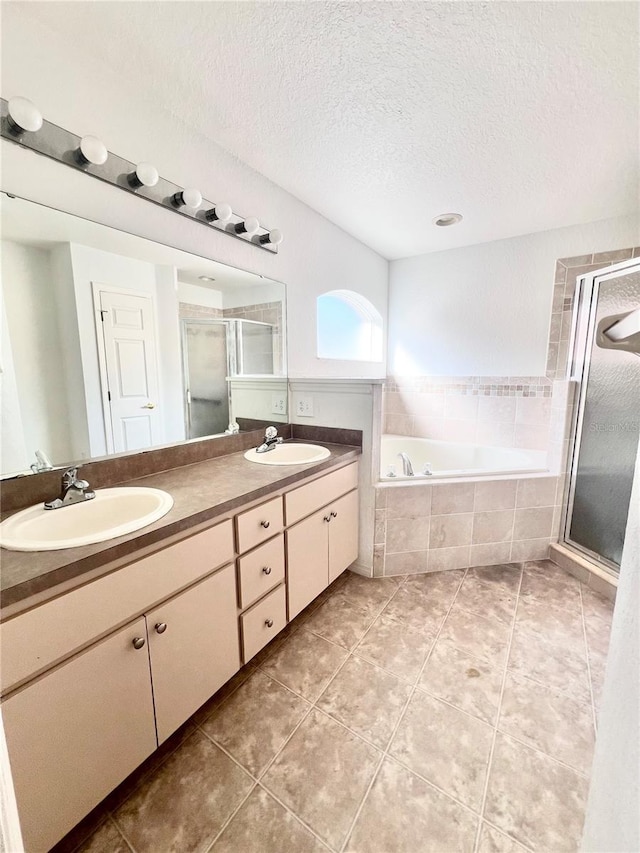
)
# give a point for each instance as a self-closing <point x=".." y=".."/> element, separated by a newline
<point x="120" y="832"/>
<point x="506" y="835"/>
<point x="226" y="823"/>
<point x="499" y="711"/>
<point x="586" y="645"/>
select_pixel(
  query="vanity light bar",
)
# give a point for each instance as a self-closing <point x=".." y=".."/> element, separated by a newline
<point x="22" y="123"/>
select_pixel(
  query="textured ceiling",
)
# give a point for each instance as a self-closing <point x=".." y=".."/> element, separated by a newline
<point x="522" y="116"/>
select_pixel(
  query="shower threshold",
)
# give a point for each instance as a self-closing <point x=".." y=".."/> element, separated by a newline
<point x="593" y="574"/>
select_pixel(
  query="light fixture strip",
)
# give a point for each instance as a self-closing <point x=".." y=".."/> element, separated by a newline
<point x="61" y="145"/>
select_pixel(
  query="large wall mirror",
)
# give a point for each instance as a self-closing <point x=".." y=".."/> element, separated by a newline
<point x="112" y="343"/>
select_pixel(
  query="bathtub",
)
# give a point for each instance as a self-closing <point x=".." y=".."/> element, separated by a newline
<point x="454" y="459"/>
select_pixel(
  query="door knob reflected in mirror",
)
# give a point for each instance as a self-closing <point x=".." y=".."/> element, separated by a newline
<point x="149" y="406"/>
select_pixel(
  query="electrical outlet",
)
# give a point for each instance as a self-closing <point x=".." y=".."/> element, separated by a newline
<point x="278" y="404"/>
<point x="304" y="407"/>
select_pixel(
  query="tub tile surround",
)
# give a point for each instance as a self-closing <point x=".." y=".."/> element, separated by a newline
<point x="324" y="742"/>
<point x="431" y="527"/>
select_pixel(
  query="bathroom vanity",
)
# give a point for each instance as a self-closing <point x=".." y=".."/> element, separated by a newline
<point x="108" y="650"/>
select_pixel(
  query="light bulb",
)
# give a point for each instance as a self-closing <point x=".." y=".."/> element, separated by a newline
<point x="221" y="212"/>
<point x="92" y="150"/>
<point x="249" y="226"/>
<point x="144" y="175"/>
<point x="274" y="237"/>
<point x="187" y="198"/>
<point x="23" y="115"/>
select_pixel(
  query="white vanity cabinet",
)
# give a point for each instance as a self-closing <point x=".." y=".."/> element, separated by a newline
<point x="76" y="733"/>
<point x="322" y="545"/>
<point x="98" y="677"/>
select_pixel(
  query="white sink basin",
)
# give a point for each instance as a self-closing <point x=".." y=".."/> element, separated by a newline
<point x="289" y="454"/>
<point x="113" y="512"/>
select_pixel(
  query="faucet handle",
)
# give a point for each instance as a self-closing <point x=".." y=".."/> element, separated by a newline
<point x="70" y="475"/>
<point x="270" y="432"/>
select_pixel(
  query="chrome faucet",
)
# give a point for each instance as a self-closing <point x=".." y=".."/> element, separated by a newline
<point x="271" y="438"/>
<point x="42" y="463"/>
<point x="73" y="490"/>
<point x="407" y="467"/>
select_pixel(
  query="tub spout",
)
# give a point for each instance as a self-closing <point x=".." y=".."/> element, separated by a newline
<point x="407" y="467"/>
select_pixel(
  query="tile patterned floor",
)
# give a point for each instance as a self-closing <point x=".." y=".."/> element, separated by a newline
<point x="433" y="713"/>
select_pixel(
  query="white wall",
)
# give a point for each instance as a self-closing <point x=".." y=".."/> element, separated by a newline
<point x="93" y="266"/>
<point x="194" y="294"/>
<point x="78" y="94"/>
<point x="612" y="820"/>
<point x="36" y="346"/>
<point x="485" y="310"/>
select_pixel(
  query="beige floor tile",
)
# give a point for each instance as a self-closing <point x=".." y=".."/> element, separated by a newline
<point x="483" y="638"/>
<point x="445" y="746"/>
<point x="305" y="664"/>
<point x="227" y="689"/>
<point x="467" y="682"/>
<point x="563" y="668"/>
<point x="340" y="621"/>
<point x="553" y="623"/>
<point x="366" y="699"/>
<point x="255" y="721"/>
<point x="440" y="586"/>
<point x="418" y="607"/>
<point x="492" y="841"/>
<point x="185" y="803"/>
<point x="596" y="607"/>
<point x="506" y="576"/>
<point x="322" y="775"/>
<point x="396" y="647"/>
<point x="490" y="601"/>
<point x="549" y="721"/>
<point x="544" y="581"/>
<point x="535" y="799"/>
<point x="403" y="814"/>
<point x="106" y="839"/>
<point x="262" y="825"/>
<point x="369" y="594"/>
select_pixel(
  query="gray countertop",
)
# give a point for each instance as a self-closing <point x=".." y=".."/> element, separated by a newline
<point x="201" y="492"/>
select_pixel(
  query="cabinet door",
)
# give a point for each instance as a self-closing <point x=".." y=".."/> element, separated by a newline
<point x="343" y="534"/>
<point x="194" y="648"/>
<point x="307" y="561"/>
<point x="77" y="733"/>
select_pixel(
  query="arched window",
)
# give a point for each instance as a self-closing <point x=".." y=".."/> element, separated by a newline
<point x="349" y="327"/>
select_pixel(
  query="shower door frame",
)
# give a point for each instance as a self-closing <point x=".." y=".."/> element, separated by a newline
<point x="580" y="343"/>
<point x="230" y="367"/>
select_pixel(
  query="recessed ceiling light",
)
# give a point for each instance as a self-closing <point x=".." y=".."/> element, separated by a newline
<point x="447" y="219"/>
<point x="206" y="278"/>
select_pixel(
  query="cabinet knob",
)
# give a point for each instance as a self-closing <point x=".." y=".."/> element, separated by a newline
<point x="266" y="570"/>
<point x="334" y="514"/>
<point x="160" y="627"/>
<point x="265" y="524"/>
<point x="327" y="518"/>
<point x="138" y="642"/>
<point x="268" y="623"/>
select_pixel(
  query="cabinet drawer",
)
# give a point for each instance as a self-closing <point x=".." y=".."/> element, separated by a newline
<point x="263" y="622"/>
<point x="260" y="570"/>
<point x="36" y="640"/>
<point x="258" y="524"/>
<point x="307" y="499"/>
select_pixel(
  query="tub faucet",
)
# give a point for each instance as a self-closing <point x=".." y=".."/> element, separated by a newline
<point x="407" y="467"/>
<point x="73" y="490"/>
<point x="271" y="438"/>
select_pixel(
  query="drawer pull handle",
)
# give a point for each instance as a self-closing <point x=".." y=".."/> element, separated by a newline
<point x="265" y="524"/>
<point x="327" y="518"/>
<point x="268" y="623"/>
<point x="138" y="642"/>
<point x="160" y="627"/>
<point x="266" y="570"/>
<point x="334" y="514"/>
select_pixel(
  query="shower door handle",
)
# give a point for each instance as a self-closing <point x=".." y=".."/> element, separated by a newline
<point x="620" y="331"/>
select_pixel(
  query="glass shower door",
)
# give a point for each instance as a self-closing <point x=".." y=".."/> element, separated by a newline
<point x="608" y="415"/>
<point x="205" y="354"/>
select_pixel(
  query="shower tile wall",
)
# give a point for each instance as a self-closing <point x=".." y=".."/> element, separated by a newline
<point x="439" y="526"/>
<point x="263" y="312"/>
